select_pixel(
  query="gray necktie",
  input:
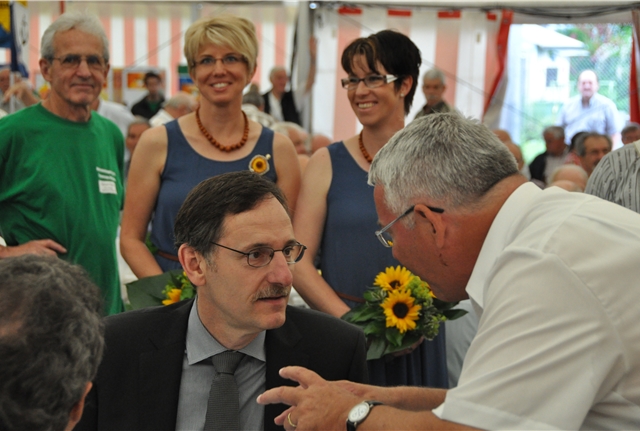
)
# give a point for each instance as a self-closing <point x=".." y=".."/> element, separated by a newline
<point x="223" y="408"/>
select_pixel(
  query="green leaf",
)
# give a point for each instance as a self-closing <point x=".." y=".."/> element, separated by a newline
<point x="454" y="314"/>
<point x="149" y="291"/>
<point x="374" y="328"/>
<point x="376" y="349"/>
<point x="394" y="336"/>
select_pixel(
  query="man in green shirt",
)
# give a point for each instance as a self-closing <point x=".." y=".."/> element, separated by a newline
<point x="61" y="184"/>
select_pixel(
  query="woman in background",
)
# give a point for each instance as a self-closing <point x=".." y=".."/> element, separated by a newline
<point x="171" y="159"/>
<point x="336" y="212"/>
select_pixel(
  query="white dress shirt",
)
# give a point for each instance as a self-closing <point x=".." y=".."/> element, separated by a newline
<point x="558" y="341"/>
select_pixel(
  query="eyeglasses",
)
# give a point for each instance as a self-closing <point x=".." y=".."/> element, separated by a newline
<point x="371" y="81"/>
<point x="73" y="61"/>
<point x="262" y="256"/>
<point x="228" y="60"/>
<point x="385" y="237"/>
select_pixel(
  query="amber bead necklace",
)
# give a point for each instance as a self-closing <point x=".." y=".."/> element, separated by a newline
<point x="217" y="144"/>
<point x="364" y="151"/>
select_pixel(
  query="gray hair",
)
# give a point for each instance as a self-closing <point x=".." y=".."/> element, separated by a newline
<point x="630" y="127"/>
<point x="275" y="70"/>
<point x="180" y="99"/>
<point x="581" y="148"/>
<point x="51" y="341"/>
<point x="556" y="131"/>
<point x="139" y="120"/>
<point x="445" y="157"/>
<point x="569" y="167"/>
<point x="82" y="21"/>
<point x="434" y="74"/>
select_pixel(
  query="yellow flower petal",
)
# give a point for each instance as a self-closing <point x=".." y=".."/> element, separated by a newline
<point x="400" y="310"/>
<point x="393" y="278"/>
<point x="174" y="296"/>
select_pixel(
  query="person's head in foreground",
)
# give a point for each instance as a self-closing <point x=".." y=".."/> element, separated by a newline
<point x="235" y="241"/>
<point x="51" y="342"/>
<point x="466" y="162"/>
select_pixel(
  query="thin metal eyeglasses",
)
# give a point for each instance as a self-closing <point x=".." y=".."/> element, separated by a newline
<point x="371" y="81"/>
<point x="227" y="60"/>
<point x="385" y="237"/>
<point x="262" y="256"/>
<point x="72" y="61"/>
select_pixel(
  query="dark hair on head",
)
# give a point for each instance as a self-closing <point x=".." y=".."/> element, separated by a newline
<point x="201" y="217"/>
<point x="395" y="51"/>
<point x="581" y="148"/>
<point x="51" y="340"/>
<point x="151" y="74"/>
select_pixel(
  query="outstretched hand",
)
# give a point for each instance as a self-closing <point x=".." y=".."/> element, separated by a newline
<point x="316" y="404"/>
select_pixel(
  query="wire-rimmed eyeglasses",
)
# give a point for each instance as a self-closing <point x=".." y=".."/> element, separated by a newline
<point x="385" y="237"/>
<point x="262" y="256"/>
<point x="72" y="61"/>
<point x="371" y="81"/>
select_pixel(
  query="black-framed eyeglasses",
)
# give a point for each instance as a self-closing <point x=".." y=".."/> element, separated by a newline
<point x="371" y="81"/>
<point x="262" y="256"/>
<point x="209" y="62"/>
<point x="385" y="237"/>
<point x="72" y="61"/>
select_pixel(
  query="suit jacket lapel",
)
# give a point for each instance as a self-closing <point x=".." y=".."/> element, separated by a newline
<point x="280" y="351"/>
<point x="161" y="372"/>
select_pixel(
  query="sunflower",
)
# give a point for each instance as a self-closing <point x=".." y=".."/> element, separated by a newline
<point x="393" y="278"/>
<point x="173" y="296"/>
<point x="400" y="310"/>
<point x="260" y="164"/>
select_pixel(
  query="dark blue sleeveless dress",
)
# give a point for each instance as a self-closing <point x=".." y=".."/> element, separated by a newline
<point x="183" y="170"/>
<point x="352" y="256"/>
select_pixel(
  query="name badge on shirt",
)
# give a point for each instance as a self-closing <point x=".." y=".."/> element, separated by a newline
<point x="107" y="181"/>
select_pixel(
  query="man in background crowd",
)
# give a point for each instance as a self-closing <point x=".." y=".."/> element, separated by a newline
<point x="589" y="111"/>
<point x="286" y="105"/>
<point x="630" y="133"/>
<point x="433" y="86"/>
<point x="178" y="105"/>
<point x="21" y="91"/>
<point x="150" y="104"/>
<point x="61" y="186"/>
<point x="591" y="149"/>
<point x="544" y="164"/>
<point x="51" y="342"/>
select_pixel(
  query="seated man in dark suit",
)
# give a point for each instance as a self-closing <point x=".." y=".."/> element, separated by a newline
<point x="235" y="242"/>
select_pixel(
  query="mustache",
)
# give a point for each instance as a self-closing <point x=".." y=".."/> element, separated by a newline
<point x="271" y="291"/>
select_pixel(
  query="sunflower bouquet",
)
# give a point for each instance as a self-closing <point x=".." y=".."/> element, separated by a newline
<point x="164" y="289"/>
<point x="398" y="311"/>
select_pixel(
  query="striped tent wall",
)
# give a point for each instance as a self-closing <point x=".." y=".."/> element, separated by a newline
<point x="461" y="43"/>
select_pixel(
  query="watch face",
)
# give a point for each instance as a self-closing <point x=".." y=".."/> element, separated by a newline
<point x="359" y="412"/>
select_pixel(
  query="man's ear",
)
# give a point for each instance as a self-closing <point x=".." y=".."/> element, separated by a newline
<point x="76" y="411"/>
<point x="193" y="263"/>
<point x="45" y="67"/>
<point x="431" y="221"/>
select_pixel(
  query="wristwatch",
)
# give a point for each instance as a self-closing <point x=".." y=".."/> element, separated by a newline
<point x="359" y="413"/>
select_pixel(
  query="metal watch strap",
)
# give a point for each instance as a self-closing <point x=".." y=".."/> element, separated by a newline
<point x="351" y="426"/>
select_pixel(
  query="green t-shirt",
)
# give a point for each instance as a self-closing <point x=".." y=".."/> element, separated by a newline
<point x="63" y="180"/>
